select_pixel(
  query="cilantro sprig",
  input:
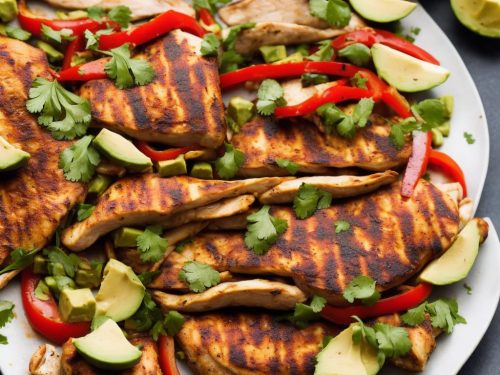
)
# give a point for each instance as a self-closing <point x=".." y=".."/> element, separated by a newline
<point x="341" y="226"/>
<point x="121" y="14"/>
<point x="270" y="96"/>
<point x="210" y="5"/>
<point x="228" y="165"/>
<point x="325" y="52"/>
<point x="56" y="36"/>
<point x="336" y="12"/>
<point x="6" y="315"/>
<point x="199" y="276"/>
<point x="151" y="244"/>
<point x="210" y="45"/>
<point x="263" y="230"/>
<point x="362" y="288"/>
<point x="356" y="53"/>
<point x="290" y="166"/>
<point x="20" y="258"/>
<point x="304" y="314"/>
<point x="84" y="210"/>
<point x="65" y="114"/>
<point x="80" y="160"/>
<point x="309" y="199"/>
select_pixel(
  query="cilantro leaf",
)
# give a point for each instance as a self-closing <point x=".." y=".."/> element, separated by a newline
<point x="70" y="262"/>
<point x="125" y="71"/>
<point x="182" y="244"/>
<point x="357" y="53"/>
<point x="229" y="41"/>
<point x="20" y="259"/>
<point x="362" y="112"/>
<point x="415" y="316"/>
<point x="336" y="12"/>
<point x="210" y="5"/>
<point x="56" y="36"/>
<point x="151" y="245"/>
<point x="310" y="79"/>
<point x="230" y="60"/>
<point x="263" y="230"/>
<point x="93" y="39"/>
<point x="444" y="314"/>
<point x="325" y="52"/>
<point x="392" y="341"/>
<point x="341" y="226"/>
<point x="308" y="199"/>
<point x="362" y="288"/>
<point x="16" y="33"/>
<point x="95" y="12"/>
<point x="79" y="160"/>
<point x="331" y="116"/>
<point x="469" y="138"/>
<point x="148" y="276"/>
<point x="173" y="322"/>
<point x="65" y="114"/>
<point x="399" y="131"/>
<point x="304" y="314"/>
<point x="84" y="211"/>
<point x="270" y="96"/>
<point x="210" y="45"/>
<point x="6" y="315"/>
<point x="359" y="81"/>
<point x="120" y="14"/>
<point x="199" y="276"/>
<point x="228" y="165"/>
<point x="290" y="166"/>
<point x="432" y="112"/>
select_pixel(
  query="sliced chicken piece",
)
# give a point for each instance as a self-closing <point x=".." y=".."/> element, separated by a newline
<point x="148" y="198"/>
<point x="466" y="209"/>
<point x="338" y="186"/>
<point x="264" y="140"/>
<point x="250" y="344"/>
<point x="295" y="93"/>
<point x="237" y="222"/>
<point x="73" y="364"/>
<point x="45" y="361"/>
<point x="182" y="106"/>
<point x="140" y="9"/>
<point x="384" y="229"/>
<point x="250" y="293"/>
<point x="35" y="198"/>
<point x="217" y="210"/>
<point x="275" y="33"/>
<point x="423" y="339"/>
<point x="453" y="189"/>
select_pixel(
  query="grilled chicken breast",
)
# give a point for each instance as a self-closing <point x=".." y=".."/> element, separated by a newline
<point x="73" y="364"/>
<point x="148" y="198"/>
<point x="250" y="344"/>
<point x="35" y="198"/>
<point x="390" y="239"/>
<point x="182" y="106"/>
<point x="140" y="9"/>
<point x="264" y="140"/>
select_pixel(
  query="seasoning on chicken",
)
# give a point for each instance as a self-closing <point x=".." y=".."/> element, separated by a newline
<point x="35" y="198"/>
<point x="250" y="344"/>
<point x="182" y="106"/>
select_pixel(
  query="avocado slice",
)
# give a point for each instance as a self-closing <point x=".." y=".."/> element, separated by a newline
<point x="172" y="167"/>
<point x="480" y="16"/>
<point x="342" y="356"/>
<point x="107" y="348"/>
<point x="77" y="305"/>
<point x="121" y="292"/>
<point x="121" y="151"/>
<point x="240" y="110"/>
<point x="126" y="237"/>
<point x="383" y="10"/>
<point x="202" y="170"/>
<point x="455" y="264"/>
<point x="406" y="73"/>
<point x="11" y="157"/>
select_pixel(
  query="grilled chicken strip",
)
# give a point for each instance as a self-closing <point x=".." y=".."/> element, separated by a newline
<point x="250" y="344"/>
<point x="73" y="364"/>
<point x="148" y="198"/>
<point x="45" y="361"/>
<point x="267" y="294"/>
<point x="35" y="198"/>
<point x="384" y="229"/>
<point x="182" y="106"/>
<point x="140" y="9"/>
<point x="264" y="140"/>
<point x="338" y="186"/>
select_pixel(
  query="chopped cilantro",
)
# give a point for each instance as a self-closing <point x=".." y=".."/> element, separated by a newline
<point x="469" y="138"/>
<point x="359" y="81"/>
<point x="325" y="52"/>
<point x="151" y="245"/>
<point x="362" y="288"/>
<point x="199" y="276"/>
<point x="15" y="32"/>
<point x="57" y="256"/>
<point x="20" y="259"/>
<point x="148" y="276"/>
<point x="310" y="79"/>
<point x="79" y="160"/>
<point x="210" y="5"/>
<point x="228" y="165"/>
<point x="263" y="230"/>
<point x="173" y="322"/>
<point x="336" y="12"/>
<point x="304" y="314"/>
<point x="230" y="61"/>
<point x="6" y="315"/>
<point x="120" y="14"/>
<point x="95" y="12"/>
<point x="290" y="166"/>
<point x="56" y="36"/>
<point x="84" y="211"/>
<point x="356" y="53"/>
<point x="229" y="42"/>
<point x="346" y="125"/>
<point x="309" y="199"/>
<point x="341" y="226"/>
<point x="210" y="45"/>
<point x="270" y="96"/>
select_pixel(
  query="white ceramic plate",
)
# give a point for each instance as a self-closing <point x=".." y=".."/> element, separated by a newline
<point x="478" y="308"/>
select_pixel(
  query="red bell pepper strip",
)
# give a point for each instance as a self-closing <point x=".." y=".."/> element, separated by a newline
<point x="206" y="17"/>
<point x="334" y="94"/>
<point x="369" y="37"/>
<point x="448" y="166"/>
<point x="166" y="355"/>
<point x="76" y="45"/>
<point x="86" y="72"/>
<point x="390" y="305"/>
<point x="44" y="316"/>
<point x="34" y="25"/>
<point x="417" y="165"/>
<point x="158" y="26"/>
<point x="169" y="154"/>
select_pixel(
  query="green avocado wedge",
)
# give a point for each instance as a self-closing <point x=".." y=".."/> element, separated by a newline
<point x="11" y="157"/>
<point x="383" y="10"/>
<point x="121" y="151"/>
<point x="480" y="16"/>
<point x="107" y="348"/>
<point x="455" y="264"/>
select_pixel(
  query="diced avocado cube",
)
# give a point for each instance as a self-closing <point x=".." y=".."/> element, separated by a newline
<point x="126" y="237"/>
<point x="52" y="54"/>
<point x="202" y="170"/>
<point x="294" y="57"/>
<point x="273" y="53"/>
<point x="57" y="284"/>
<point x="77" y="305"/>
<point x="240" y="110"/>
<point x="173" y="167"/>
<point x="99" y="184"/>
<point x="40" y="265"/>
<point x="56" y="269"/>
<point x="448" y="102"/>
<point x="8" y="10"/>
<point x="437" y="138"/>
<point x="89" y="278"/>
<point x="445" y="129"/>
<point x="11" y="157"/>
<point x="303" y="49"/>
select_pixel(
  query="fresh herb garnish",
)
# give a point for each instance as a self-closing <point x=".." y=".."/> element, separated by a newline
<point x="42" y="291"/>
<point x="228" y="165"/>
<point x="359" y="81"/>
<point x="95" y="12"/>
<point x="290" y="166"/>
<point x="20" y="259"/>
<point x="270" y="96"/>
<point x="362" y="288"/>
<point x="56" y="36"/>
<point x="15" y="32"/>
<point x="210" y="5"/>
<point x="93" y="38"/>
<point x="341" y="226"/>
<point x="84" y="211"/>
<point x="229" y="42"/>
<point x="469" y="138"/>
<point x="325" y="52"/>
<point x="311" y="79"/>
<point x="65" y="114"/>
<point x="309" y="199"/>
<point x="148" y="276"/>
<point x="70" y="262"/>
<point x="304" y="314"/>
<point x="199" y="276"/>
<point x="356" y="53"/>
<point x="263" y="230"/>
<point x="6" y="315"/>
<point x="151" y="245"/>
<point x="120" y="14"/>
<point x="336" y="12"/>
<point x="80" y="160"/>
<point x="230" y="61"/>
<point x="210" y="45"/>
